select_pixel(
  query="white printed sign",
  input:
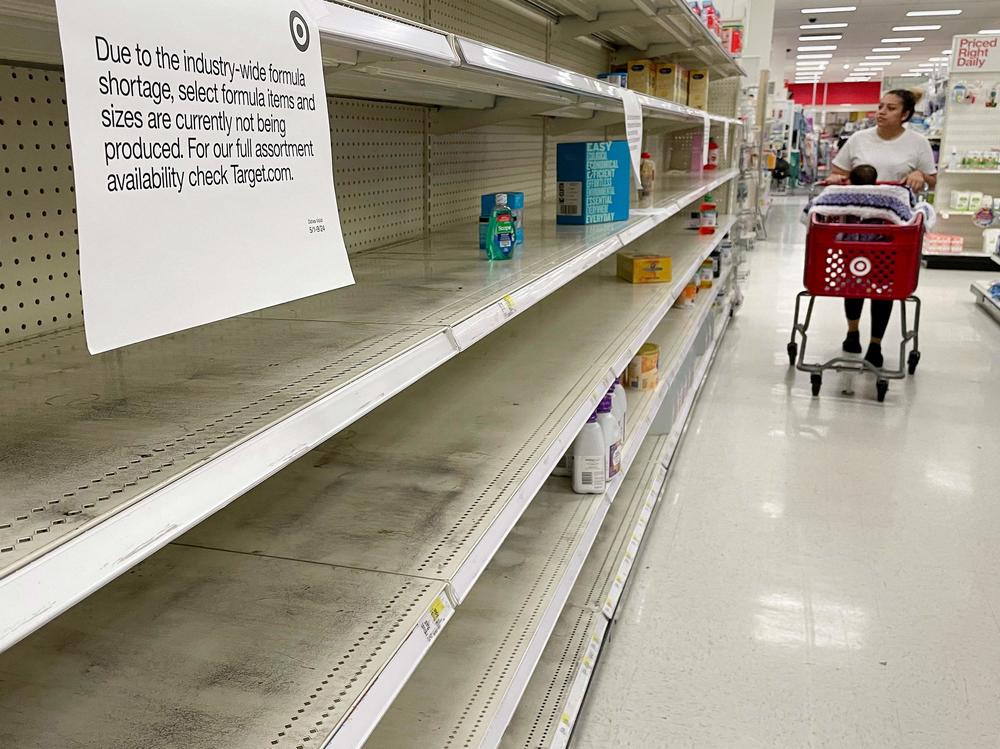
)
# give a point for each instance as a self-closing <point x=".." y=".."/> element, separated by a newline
<point x="201" y="153"/>
<point x="975" y="54"/>
<point x="633" y="130"/>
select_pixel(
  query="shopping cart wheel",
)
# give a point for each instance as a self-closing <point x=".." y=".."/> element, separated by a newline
<point x="816" y="380"/>
<point x="793" y="353"/>
<point x="912" y="361"/>
<point x="881" y="387"/>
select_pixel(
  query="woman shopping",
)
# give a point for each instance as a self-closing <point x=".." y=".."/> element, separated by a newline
<point x="898" y="155"/>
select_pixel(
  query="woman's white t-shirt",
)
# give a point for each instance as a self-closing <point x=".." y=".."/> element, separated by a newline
<point x="893" y="159"/>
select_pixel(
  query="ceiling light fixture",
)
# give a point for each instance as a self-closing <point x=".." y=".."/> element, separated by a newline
<point x="820" y="37"/>
<point x="882" y="57"/>
<point x="935" y="27"/>
<point x="897" y="39"/>
<point x="824" y="56"/>
<point x="811" y="26"/>
<point x="833" y="9"/>
<point x="938" y="59"/>
<point x="891" y="49"/>
<point x="921" y="13"/>
<point x="945" y="51"/>
<point x="911" y="75"/>
<point x="926" y="65"/>
<point x="816" y="48"/>
<point x="989" y="31"/>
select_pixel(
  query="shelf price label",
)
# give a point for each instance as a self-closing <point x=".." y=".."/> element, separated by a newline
<point x="202" y="162"/>
<point x="507" y="306"/>
<point x="434" y="618"/>
<point x="633" y="130"/>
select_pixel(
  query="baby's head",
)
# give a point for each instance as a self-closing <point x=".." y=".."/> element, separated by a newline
<point x="863" y="174"/>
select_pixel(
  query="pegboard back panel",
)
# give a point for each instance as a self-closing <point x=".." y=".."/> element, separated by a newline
<point x="39" y="265"/>
<point x="582" y="57"/>
<point x="378" y="171"/>
<point x="490" y="23"/>
<point x="465" y="165"/>
<point x="724" y="95"/>
<point x="411" y="9"/>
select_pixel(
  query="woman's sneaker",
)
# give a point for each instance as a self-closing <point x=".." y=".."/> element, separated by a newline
<point x="874" y="355"/>
<point x="852" y="344"/>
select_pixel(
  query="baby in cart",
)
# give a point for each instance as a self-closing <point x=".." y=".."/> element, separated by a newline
<point x="866" y="201"/>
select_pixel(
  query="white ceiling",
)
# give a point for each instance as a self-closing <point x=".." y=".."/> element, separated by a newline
<point x="873" y="21"/>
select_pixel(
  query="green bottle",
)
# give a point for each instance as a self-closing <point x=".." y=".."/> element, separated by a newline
<point x="501" y="233"/>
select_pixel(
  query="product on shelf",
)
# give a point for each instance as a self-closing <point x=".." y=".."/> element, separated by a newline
<point x="589" y="461"/>
<point x="716" y="258"/>
<point x="594" y="183"/>
<point x="698" y="89"/>
<point x="991" y="241"/>
<point x="636" y="267"/>
<point x="961" y="199"/>
<point x="487" y="202"/>
<point x="732" y="37"/>
<point x="671" y="82"/>
<point x="642" y="369"/>
<point x="705" y="274"/>
<point x="687" y="296"/>
<point x="610" y="429"/>
<point x="647" y="174"/>
<point x="709" y="215"/>
<point x="501" y="233"/>
<point x="642" y="76"/>
<point x="619" y="408"/>
<point x="713" y="154"/>
<point x="615" y="78"/>
<point x="942" y="244"/>
<point x="693" y="220"/>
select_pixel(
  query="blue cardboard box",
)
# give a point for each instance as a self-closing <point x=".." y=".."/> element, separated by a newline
<point x="593" y="182"/>
<point x="515" y="201"/>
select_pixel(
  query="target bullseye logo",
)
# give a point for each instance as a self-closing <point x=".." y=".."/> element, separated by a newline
<point x="300" y="30"/>
<point x="860" y="266"/>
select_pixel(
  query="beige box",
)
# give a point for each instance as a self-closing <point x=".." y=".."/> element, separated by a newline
<point x="642" y="76"/>
<point x="671" y="82"/>
<point x="698" y="89"/>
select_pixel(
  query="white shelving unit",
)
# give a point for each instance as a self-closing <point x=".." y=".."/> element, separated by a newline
<point x="472" y="450"/>
<point x="966" y="128"/>
<point x="389" y="444"/>
<point x="981" y="291"/>
<point x="215" y="417"/>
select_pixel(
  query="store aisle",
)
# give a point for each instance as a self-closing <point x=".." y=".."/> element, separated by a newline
<point x="822" y="572"/>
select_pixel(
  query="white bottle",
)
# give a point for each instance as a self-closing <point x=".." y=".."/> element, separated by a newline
<point x="589" y="459"/>
<point x="619" y="405"/>
<point x="953" y="161"/>
<point x="612" y="441"/>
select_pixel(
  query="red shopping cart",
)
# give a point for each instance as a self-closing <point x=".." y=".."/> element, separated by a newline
<point x="866" y="261"/>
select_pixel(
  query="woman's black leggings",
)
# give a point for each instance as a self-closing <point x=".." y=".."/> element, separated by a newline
<point x="881" y="312"/>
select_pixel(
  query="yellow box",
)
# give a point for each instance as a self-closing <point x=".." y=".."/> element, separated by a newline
<point x="698" y="89"/>
<point x="671" y="82"/>
<point x="638" y="268"/>
<point x="642" y="76"/>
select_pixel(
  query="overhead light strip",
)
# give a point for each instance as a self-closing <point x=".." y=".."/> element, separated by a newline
<point x="922" y="13"/>
<point x="918" y="28"/>
<point x="809" y="26"/>
<point x="834" y="9"/>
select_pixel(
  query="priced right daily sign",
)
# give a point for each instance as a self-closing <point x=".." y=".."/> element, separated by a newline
<point x="201" y="154"/>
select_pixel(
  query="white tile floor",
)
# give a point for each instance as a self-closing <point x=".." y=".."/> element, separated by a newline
<point x="823" y="572"/>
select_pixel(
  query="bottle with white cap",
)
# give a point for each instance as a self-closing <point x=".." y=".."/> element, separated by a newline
<point x="589" y="459"/>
